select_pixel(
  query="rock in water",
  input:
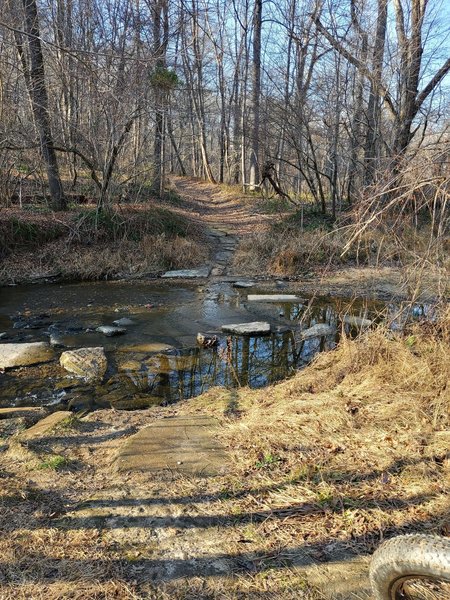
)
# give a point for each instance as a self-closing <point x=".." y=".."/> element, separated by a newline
<point x="318" y="330"/>
<point x="360" y="322"/>
<point x="254" y="328"/>
<point x="207" y="341"/>
<point x="124" y="322"/>
<point x="89" y="363"/>
<point x="22" y="355"/>
<point x="111" y="331"/>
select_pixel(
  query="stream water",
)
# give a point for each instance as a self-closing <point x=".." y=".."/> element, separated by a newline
<point x="158" y="360"/>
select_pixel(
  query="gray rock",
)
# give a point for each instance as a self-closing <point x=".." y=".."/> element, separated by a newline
<point x="243" y="284"/>
<point x="273" y="298"/>
<point x="254" y="328"/>
<point x="124" y="322"/>
<point x="89" y="363"/>
<point x="22" y="355"/>
<point x="187" y="273"/>
<point x="318" y="330"/>
<point x="354" y="321"/>
<point x="111" y="331"/>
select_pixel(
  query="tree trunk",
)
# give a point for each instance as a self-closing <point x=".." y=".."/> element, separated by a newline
<point x="256" y="94"/>
<point x="39" y="101"/>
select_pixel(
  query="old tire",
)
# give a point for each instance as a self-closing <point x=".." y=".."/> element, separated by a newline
<point x="405" y="558"/>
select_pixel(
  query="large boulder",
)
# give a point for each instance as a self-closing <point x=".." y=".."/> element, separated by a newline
<point x="22" y="355"/>
<point x="90" y="363"/>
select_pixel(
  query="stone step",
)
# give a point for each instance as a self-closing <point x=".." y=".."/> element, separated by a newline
<point x="185" y="444"/>
<point x="254" y="328"/>
<point x="187" y="273"/>
<point x="45" y="426"/>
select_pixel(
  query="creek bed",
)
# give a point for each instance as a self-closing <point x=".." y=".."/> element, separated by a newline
<point x="157" y="360"/>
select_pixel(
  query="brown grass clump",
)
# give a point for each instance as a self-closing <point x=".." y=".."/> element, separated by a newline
<point x="352" y="449"/>
<point x="87" y="245"/>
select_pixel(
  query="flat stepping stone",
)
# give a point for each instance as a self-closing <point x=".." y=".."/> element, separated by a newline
<point x="187" y="273"/>
<point x="185" y="444"/>
<point x="273" y="298"/>
<point x="111" y="331"/>
<point x="22" y="355"/>
<point x="243" y="284"/>
<point x="254" y="328"/>
<point x="17" y="412"/>
<point x="45" y="426"/>
<point x="318" y="330"/>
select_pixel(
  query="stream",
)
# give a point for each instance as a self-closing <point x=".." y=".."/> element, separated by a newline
<point x="157" y="359"/>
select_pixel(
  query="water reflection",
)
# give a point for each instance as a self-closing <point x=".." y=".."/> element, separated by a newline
<point x="142" y="372"/>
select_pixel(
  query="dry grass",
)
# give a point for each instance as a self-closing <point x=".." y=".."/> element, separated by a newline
<point x="133" y="241"/>
<point x="325" y="465"/>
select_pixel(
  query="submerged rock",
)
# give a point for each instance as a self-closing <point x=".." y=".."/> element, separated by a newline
<point x="254" y="328"/>
<point x="22" y="355"/>
<point x="318" y="330"/>
<point x="354" y="321"/>
<point x="124" y="322"/>
<point x="90" y="363"/>
<point x="111" y="331"/>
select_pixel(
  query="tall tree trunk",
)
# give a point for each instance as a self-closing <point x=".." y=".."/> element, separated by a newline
<point x="374" y="107"/>
<point x="256" y="94"/>
<point x="39" y="101"/>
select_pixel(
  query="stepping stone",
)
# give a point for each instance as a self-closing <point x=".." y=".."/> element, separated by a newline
<point x="273" y="298"/>
<point x="111" y="331"/>
<point x="223" y="256"/>
<point x="45" y="426"/>
<point x="243" y="284"/>
<point x="254" y="328"/>
<point x="187" y="273"/>
<point x="17" y="412"/>
<point x="22" y="355"/>
<point x="318" y="330"/>
<point x="354" y="321"/>
<point x="185" y="444"/>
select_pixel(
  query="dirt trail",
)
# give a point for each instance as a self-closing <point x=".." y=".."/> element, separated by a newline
<point x="219" y="208"/>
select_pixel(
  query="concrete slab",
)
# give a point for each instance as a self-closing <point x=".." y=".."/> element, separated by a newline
<point x="273" y="298"/>
<point x="254" y="328"/>
<point x="22" y="411"/>
<point x="185" y="444"/>
<point x="187" y="273"/>
<point x="45" y="426"/>
<point x="22" y="355"/>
